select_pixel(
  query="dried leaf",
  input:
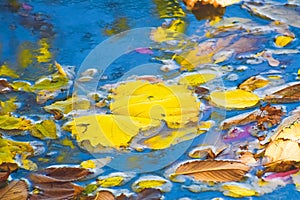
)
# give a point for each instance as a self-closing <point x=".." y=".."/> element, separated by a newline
<point x="283" y="150"/>
<point x="15" y="190"/>
<point x="285" y="94"/>
<point x="269" y="116"/>
<point x="213" y="170"/>
<point x="104" y="195"/>
<point x="234" y="99"/>
<point x="4" y="176"/>
<point x="238" y="120"/>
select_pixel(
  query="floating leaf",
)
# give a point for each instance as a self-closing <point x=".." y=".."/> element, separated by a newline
<point x="283" y="40"/>
<point x="72" y="103"/>
<point x="196" y="79"/>
<point x="253" y="83"/>
<point x="284" y="94"/>
<point x="149" y="193"/>
<point x="174" y="104"/>
<point x="6" y="71"/>
<point x="151" y="182"/>
<point x="45" y="129"/>
<point x="215" y="3"/>
<point x="8" y="122"/>
<point x="206" y="151"/>
<point x="234" y="99"/>
<point x="8" y="106"/>
<point x="15" y="190"/>
<point x="5" y="86"/>
<point x="114" y="179"/>
<point x="213" y="170"/>
<point x="283" y="150"/>
<point x="54" y="82"/>
<point x="65" y="174"/>
<point x="105" y="195"/>
<point x="238" y="191"/>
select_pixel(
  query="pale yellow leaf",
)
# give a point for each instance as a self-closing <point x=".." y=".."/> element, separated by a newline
<point x="238" y="191"/>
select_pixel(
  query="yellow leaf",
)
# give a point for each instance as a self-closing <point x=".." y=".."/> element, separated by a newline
<point x="196" y="79"/>
<point x="22" y="86"/>
<point x="8" y="122"/>
<point x="95" y="163"/>
<point x="29" y="165"/>
<point x="163" y="34"/>
<point x="45" y="129"/>
<point x="174" y="104"/>
<point x="88" y="164"/>
<point x="6" y="71"/>
<point x="72" y="103"/>
<point x="238" y="191"/>
<point x="282" y="40"/>
<point x="54" y="82"/>
<point x="111" y="181"/>
<point x="165" y="140"/>
<point x="253" y="83"/>
<point x="8" y="106"/>
<point x="151" y="182"/>
<point x="281" y="150"/>
<point x="234" y="99"/>
<point x="109" y="130"/>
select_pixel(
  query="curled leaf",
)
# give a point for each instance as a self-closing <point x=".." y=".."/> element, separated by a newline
<point x="213" y="170"/>
<point x="284" y="94"/>
<point x="253" y="83"/>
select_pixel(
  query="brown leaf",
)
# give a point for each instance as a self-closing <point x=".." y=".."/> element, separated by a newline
<point x="267" y="116"/>
<point x="5" y="86"/>
<point x="66" y="174"/>
<point x="15" y="190"/>
<point x="213" y="170"/>
<point x="8" y="167"/>
<point x="4" y="176"/>
<point x="56" y="191"/>
<point x="105" y="195"/>
<point x="290" y="93"/>
<point x="149" y="193"/>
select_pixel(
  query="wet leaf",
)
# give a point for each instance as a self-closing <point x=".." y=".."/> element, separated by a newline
<point x="282" y="40"/>
<point x="104" y="195"/>
<point x="269" y="116"/>
<point x="213" y="170"/>
<point x="67" y="106"/>
<point x="4" y="176"/>
<point x="284" y="94"/>
<point x="169" y="9"/>
<point x="44" y="95"/>
<point x="8" y="106"/>
<point x="53" y="82"/>
<point x="196" y="79"/>
<point x="5" y="86"/>
<point x="206" y="151"/>
<point x="238" y="191"/>
<point x="15" y="190"/>
<point x="253" y="83"/>
<point x="65" y="174"/>
<point x="216" y="3"/>
<point x="174" y="104"/>
<point x="56" y="191"/>
<point x="6" y="71"/>
<point x="44" y="129"/>
<point x="9" y="122"/>
<point x="149" y="193"/>
<point x="155" y="182"/>
<point x="234" y="99"/>
<point x="95" y="163"/>
<point x="44" y="53"/>
<point x="113" y="179"/>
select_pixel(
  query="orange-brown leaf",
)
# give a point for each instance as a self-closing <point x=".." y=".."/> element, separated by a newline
<point x="15" y="190"/>
<point x="66" y="174"/>
<point x="105" y="195"/>
<point x="290" y="93"/>
<point x="213" y="170"/>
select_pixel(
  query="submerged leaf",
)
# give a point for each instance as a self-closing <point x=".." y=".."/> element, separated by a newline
<point x="213" y="170"/>
<point x="8" y="122"/>
<point x="234" y="99"/>
<point x="8" y="106"/>
<point x="15" y="190"/>
<point x="6" y="71"/>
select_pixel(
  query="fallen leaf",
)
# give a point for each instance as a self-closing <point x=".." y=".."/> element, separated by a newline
<point x="206" y="151"/>
<point x="67" y="106"/>
<point x="213" y="170"/>
<point x="4" y="176"/>
<point x="66" y="174"/>
<point x="282" y="40"/>
<point x="104" y="195"/>
<point x="237" y="99"/>
<point x="149" y="193"/>
<point x="95" y="163"/>
<point x="154" y="182"/>
<point x="44" y="129"/>
<point x="238" y="191"/>
<point x="114" y="179"/>
<point x="15" y="190"/>
<point x="196" y="79"/>
<point x="9" y="122"/>
<point x="284" y="94"/>
<point x="216" y="3"/>
<point x="253" y="83"/>
<point x="269" y="116"/>
<point x="5" y="86"/>
<point x="8" y="106"/>
<point x="171" y="9"/>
